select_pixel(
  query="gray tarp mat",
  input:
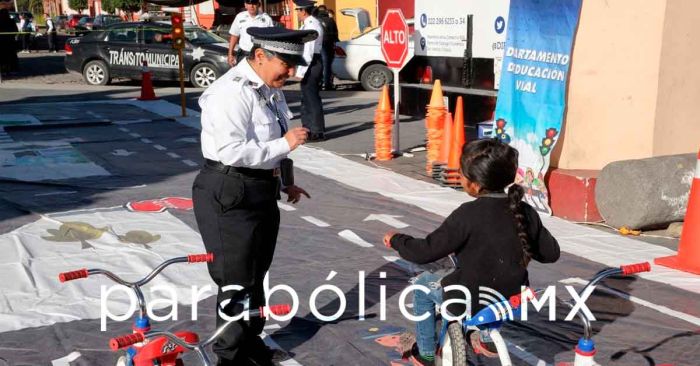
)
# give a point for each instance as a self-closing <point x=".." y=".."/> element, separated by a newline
<point x="626" y="333"/>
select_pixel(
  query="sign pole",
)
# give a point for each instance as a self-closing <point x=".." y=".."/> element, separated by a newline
<point x="397" y="98"/>
<point x="182" y="83"/>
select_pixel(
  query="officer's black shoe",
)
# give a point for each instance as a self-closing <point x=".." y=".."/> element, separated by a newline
<point x="316" y="137"/>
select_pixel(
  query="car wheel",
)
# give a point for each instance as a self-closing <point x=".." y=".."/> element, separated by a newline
<point x="96" y="73"/>
<point x="202" y="75"/>
<point x="374" y="77"/>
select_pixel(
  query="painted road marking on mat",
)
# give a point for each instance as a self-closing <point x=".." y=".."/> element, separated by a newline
<point x="285" y="207"/>
<point x="134" y="134"/>
<point x="65" y="361"/>
<point x="123" y="129"/>
<point x="160" y="147"/>
<point x="173" y="155"/>
<point x="146" y="141"/>
<point x="660" y="308"/>
<point x="524" y="355"/>
<point x="54" y="193"/>
<point x="272" y="344"/>
<point x="272" y="327"/>
<point x="315" y="221"/>
<point x="390" y="220"/>
<point x="350" y="236"/>
<point x="190" y="162"/>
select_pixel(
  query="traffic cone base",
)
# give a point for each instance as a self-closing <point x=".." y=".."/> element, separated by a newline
<point x="147" y="92"/>
<point x="688" y="257"/>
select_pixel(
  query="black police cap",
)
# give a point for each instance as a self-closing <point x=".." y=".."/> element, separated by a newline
<point x="252" y="1"/>
<point x="304" y="4"/>
<point x="285" y="43"/>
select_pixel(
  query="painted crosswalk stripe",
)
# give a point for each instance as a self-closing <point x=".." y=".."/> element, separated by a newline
<point x="173" y="155"/>
<point x="123" y="129"/>
<point x="146" y="141"/>
<point x="316" y="221"/>
<point x="190" y="162"/>
<point x="285" y="207"/>
<point x="134" y="134"/>
<point x="160" y="147"/>
<point x="350" y="236"/>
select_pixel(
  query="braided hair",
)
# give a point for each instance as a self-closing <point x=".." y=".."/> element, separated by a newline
<point x="493" y="164"/>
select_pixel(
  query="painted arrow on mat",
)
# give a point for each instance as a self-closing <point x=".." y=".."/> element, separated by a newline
<point x="122" y="152"/>
<point x="390" y="220"/>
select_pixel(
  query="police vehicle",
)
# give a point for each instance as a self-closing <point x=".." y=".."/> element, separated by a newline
<point x="120" y="49"/>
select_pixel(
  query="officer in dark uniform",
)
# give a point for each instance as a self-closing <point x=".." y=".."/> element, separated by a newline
<point x="245" y="137"/>
<point x="311" y="75"/>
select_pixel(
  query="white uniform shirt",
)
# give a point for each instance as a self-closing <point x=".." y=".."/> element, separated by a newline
<point x="238" y="127"/>
<point x="244" y="21"/>
<point x="49" y="25"/>
<point x="311" y="48"/>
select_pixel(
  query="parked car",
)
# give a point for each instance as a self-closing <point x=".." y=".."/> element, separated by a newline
<point x="59" y="22"/>
<point x="360" y="59"/>
<point x="102" y="21"/>
<point x="119" y="49"/>
<point x="73" y="20"/>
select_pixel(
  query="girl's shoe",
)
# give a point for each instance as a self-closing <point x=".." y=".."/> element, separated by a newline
<point x="487" y="349"/>
<point x="419" y="360"/>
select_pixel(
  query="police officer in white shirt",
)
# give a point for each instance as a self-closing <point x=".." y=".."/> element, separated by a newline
<point x="252" y="16"/>
<point x="311" y="75"/>
<point x="245" y="137"/>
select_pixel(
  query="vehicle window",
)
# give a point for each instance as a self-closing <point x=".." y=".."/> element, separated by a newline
<point x="156" y="36"/>
<point x="201" y="36"/>
<point x="363" y="21"/>
<point x="122" y="35"/>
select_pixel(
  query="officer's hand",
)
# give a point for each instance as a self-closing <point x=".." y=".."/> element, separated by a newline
<point x="232" y="60"/>
<point x="294" y="193"/>
<point x="296" y="136"/>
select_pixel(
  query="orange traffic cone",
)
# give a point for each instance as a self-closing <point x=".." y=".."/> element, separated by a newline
<point x="451" y="175"/>
<point x="440" y="165"/>
<point x="434" y="123"/>
<point x="383" y="119"/>
<point x="147" y="92"/>
<point x="688" y="257"/>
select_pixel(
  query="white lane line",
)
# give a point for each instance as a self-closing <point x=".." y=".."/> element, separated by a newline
<point x="350" y="236"/>
<point x="173" y="155"/>
<point x="521" y="353"/>
<point x="391" y="220"/>
<point x="660" y="308"/>
<point x="55" y="193"/>
<point x="134" y="134"/>
<point x="65" y="361"/>
<point x="190" y="162"/>
<point x="146" y="141"/>
<point x="160" y="147"/>
<point x="272" y="344"/>
<point x="122" y="129"/>
<point x="316" y="221"/>
<point x="285" y="207"/>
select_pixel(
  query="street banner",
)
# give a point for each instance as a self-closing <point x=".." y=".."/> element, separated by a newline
<point x="531" y="98"/>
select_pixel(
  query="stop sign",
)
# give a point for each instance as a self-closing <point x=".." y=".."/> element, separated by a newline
<point x="395" y="38"/>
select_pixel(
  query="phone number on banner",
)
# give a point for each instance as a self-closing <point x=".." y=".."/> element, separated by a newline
<point x="446" y="20"/>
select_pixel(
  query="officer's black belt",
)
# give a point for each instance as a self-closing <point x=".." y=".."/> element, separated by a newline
<point x="248" y="172"/>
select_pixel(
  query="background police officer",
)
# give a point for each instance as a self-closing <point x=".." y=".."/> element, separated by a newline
<point x="252" y="16"/>
<point x="244" y="137"/>
<point x="311" y="75"/>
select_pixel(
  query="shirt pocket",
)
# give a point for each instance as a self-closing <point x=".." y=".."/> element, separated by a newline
<point x="264" y="124"/>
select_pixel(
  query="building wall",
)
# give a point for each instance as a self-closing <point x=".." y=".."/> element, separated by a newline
<point x="677" y="128"/>
<point x="613" y="89"/>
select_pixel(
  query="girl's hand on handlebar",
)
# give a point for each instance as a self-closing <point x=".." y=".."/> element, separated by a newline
<point x="387" y="239"/>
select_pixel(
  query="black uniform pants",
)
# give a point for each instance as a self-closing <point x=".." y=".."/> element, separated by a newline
<point x="311" y="104"/>
<point x="238" y="219"/>
<point x="51" y="37"/>
<point x="327" y="56"/>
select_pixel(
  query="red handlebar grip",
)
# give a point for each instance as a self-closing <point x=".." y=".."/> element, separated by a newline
<point x="635" y="268"/>
<point x="125" y="340"/>
<point x="193" y="258"/>
<point x="73" y="275"/>
<point x="282" y="309"/>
